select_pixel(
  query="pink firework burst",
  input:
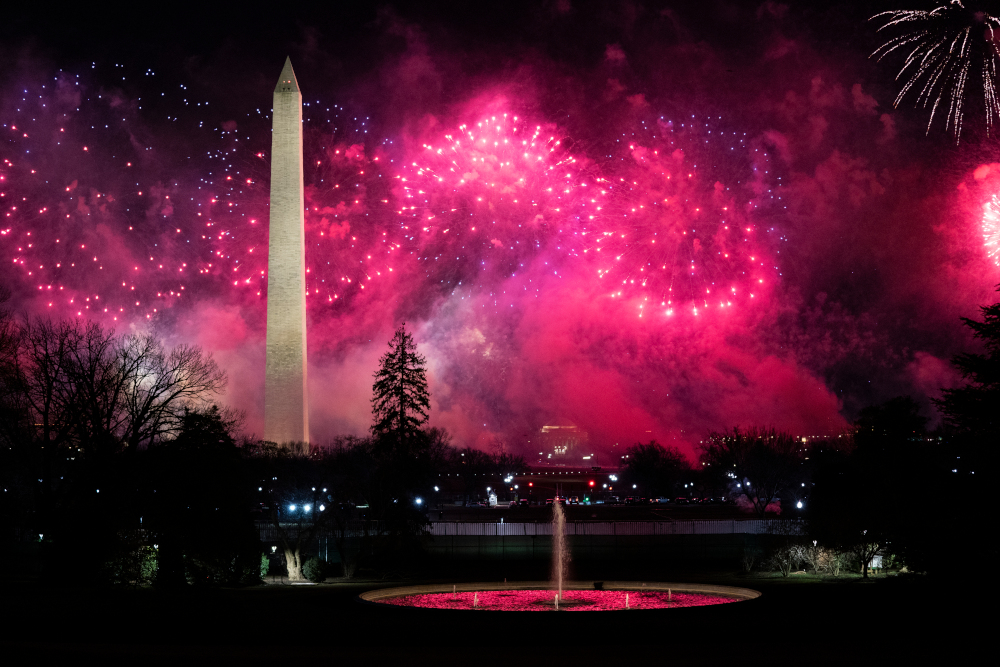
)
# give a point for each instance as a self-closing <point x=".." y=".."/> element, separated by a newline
<point x="490" y="197"/>
<point x="681" y="231"/>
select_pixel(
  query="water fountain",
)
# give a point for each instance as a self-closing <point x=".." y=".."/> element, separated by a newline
<point x="560" y="594"/>
<point x="560" y="554"/>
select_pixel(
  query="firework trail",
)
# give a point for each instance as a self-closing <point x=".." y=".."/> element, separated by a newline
<point x="948" y="43"/>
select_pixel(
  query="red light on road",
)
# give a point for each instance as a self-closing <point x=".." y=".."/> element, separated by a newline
<point x="591" y="482"/>
<point x="531" y="483"/>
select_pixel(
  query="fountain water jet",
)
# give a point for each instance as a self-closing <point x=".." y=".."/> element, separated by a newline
<point x="560" y="554"/>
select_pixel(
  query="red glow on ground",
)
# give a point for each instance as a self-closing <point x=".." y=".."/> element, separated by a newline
<point x="542" y="600"/>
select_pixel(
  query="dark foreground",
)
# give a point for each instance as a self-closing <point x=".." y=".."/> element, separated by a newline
<point x="799" y="620"/>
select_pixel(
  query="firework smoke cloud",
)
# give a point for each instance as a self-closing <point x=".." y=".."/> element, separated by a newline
<point x="648" y="234"/>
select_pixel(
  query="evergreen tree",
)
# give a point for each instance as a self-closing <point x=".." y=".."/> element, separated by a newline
<point x="973" y="459"/>
<point x="400" y="399"/>
<point x="975" y="408"/>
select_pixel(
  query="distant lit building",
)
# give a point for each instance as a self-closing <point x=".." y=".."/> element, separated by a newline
<point x="561" y="441"/>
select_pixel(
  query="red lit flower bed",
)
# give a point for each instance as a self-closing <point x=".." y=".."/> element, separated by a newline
<point x="543" y="600"/>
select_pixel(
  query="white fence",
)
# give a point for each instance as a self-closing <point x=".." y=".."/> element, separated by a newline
<point x="518" y="529"/>
<point x="619" y="528"/>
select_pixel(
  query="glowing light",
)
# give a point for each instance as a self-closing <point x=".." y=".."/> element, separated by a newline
<point x="947" y="43"/>
<point x="991" y="229"/>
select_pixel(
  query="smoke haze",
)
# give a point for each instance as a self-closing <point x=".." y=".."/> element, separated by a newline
<point x="699" y="219"/>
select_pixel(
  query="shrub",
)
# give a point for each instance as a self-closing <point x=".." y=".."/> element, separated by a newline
<point x="241" y="568"/>
<point x="824" y="560"/>
<point x="132" y="563"/>
<point x="751" y="554"/>
<point x="265" y="565"/>
<point x="786" y="558"/>
<point x="316" y="569"/>
<point x="835" y="560"/>
<point x="786" y="548"/>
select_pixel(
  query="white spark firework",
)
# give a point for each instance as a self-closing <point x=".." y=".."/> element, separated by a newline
<point x="991" y="229"/>
<point x="948" y="42"/>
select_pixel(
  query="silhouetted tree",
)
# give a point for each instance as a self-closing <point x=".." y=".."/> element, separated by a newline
<point x="654" y="469"/>
<point x="295" y="493"/>
<point x="895" y="425"/>
<point x="847" y="511"/>
<point x="39" y="420"/>
<point x="42" y="400"/>
<point x="81" y="385"/>
<point x="400" y="399"/>
<point x="763" y="462"/>
<point x="478" y="469"/>
<point x="975" y="408"/>
<point x="474" y="468"/>
<point x="972" y="416"/>
<point x="972" y="413"/>
<point x="162" y="388"/>
<point x="884" y="495"/>
<point x="74" y="398"/>
<point x="16" y="460"/>
<point x="200" y="495"/>
<point x="368" y="496"/>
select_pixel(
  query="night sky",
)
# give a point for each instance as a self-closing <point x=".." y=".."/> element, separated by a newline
<point x="650" y="220"/>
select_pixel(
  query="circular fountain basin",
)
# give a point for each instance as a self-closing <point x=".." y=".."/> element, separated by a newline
<point x="576" y="596"/>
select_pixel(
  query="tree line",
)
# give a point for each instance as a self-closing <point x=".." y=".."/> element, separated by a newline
<point x="887" y="487"/>
<point x="114" y="444"/>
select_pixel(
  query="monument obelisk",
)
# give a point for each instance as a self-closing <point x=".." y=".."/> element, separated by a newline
<point x="286" y="406"/>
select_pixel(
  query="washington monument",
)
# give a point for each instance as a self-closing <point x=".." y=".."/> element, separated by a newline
<point x="286" y="406"/>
